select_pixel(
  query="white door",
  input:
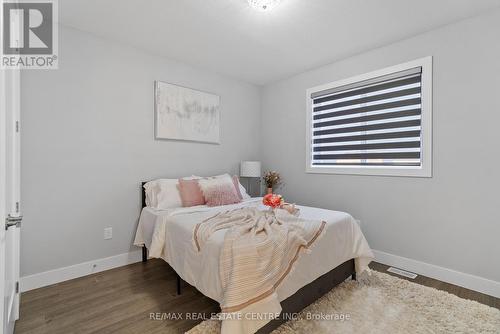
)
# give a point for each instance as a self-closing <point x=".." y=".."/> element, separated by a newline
<point x="10" y="210"/>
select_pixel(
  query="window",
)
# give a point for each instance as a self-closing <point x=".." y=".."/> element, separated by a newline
<point x="379" y="123"/>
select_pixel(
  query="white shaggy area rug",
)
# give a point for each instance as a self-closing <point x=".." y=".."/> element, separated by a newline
<point x="380" y="303"/>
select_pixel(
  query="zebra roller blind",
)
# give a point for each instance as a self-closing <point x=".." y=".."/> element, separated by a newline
<point x="376" y="122"/>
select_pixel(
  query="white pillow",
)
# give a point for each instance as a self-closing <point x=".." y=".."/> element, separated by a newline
<point x="149" y="190"/>
<point x="244" y="193"/>
<point x="163" y="194"/>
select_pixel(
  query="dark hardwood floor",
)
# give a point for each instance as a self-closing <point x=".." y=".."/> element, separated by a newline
<point x="454" y="289"/>
<point x="122" y="301"/>
<point x="115" y="301"/>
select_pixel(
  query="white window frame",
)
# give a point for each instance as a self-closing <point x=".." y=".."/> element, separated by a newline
<point x="425" y="170"/>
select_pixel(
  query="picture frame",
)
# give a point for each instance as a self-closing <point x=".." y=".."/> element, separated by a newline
<point x="186" y="114"/>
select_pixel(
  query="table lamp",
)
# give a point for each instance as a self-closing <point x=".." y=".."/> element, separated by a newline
<point x="250" y="169"/>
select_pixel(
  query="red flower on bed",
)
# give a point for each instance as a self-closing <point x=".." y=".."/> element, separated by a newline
<point x="272" y="200"/>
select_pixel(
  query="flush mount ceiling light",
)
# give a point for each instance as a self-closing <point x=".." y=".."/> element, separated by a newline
<point x="264" y="5"/>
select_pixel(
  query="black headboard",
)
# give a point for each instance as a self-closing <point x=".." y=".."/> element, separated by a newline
<point x="143" y="195"/>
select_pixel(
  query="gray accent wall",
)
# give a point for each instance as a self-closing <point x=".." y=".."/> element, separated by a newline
<point x="450" y="220"/>
<point x="88" y="142"/>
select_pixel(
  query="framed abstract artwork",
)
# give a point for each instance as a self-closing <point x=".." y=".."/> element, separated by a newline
<point x="186" y="114"/>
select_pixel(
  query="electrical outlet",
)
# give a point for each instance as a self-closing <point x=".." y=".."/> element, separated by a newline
<point x="108" y="233"/>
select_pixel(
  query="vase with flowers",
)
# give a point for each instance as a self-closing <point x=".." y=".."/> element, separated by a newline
<point x="272" y="180"/>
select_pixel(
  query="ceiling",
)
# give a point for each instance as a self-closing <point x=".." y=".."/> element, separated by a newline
<point x="228" y="37"/>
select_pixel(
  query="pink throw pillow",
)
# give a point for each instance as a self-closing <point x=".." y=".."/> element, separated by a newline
<point x="219" y="191"/>
<point x="191" y="194"/>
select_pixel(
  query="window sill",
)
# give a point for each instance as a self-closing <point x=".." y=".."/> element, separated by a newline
<point x="374" y="171"/>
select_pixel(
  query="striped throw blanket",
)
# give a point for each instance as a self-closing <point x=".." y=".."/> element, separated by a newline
<point x="259" y="250"/>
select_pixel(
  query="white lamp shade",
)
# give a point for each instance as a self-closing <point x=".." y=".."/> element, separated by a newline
<point x="250" y="169"/>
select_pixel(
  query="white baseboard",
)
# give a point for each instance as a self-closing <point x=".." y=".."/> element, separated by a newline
<point x="78" y="270"/>
<point x="468" y="281"/>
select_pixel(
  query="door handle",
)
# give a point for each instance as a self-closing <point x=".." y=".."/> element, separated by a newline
<point x="13" y="221"/>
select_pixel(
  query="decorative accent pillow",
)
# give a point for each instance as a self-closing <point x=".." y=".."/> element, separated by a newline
<point x="240" y="190"/>
<point x="192" y="177"/>
<point x="190" y="193"/>
<point x="219" y="190"/>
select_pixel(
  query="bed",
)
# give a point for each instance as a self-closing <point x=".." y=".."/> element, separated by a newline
<point x="341" y="252"/>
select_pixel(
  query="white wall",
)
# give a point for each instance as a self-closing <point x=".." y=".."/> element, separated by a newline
<point x="450" y="220"/>
<point x="87" y="143"/>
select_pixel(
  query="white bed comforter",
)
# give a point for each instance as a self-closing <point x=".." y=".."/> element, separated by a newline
<point x="172" y="240"/>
